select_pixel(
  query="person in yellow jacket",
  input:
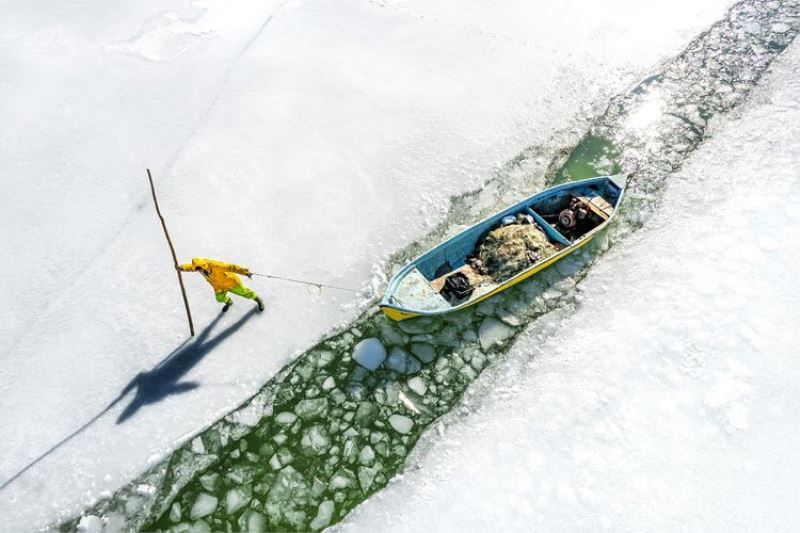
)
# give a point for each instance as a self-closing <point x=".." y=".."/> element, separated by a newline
<point x="222" y="277"/>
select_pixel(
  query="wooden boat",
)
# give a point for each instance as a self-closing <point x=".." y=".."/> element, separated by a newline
<point x="418" y="288"/>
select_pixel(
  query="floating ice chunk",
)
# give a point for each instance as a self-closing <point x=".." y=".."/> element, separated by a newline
<point x="350" y="450"/>
<point x="391" y="335"/>
<point x="366" y="456"/>
<point x="568" y="267"/>
<point x="287" y="493"/>
<point x="274" y="462"/>
<point x="780" y="27"/>
<point x="469" y="372"/>
<point x="204" y="505"/>
<point x="508" y="317"/>
<point x="478" y="361"/>
<point x="397" y="359"/>
<point x="286" y="417"/>
<point x="235" y="499"/>
<point x="424" y="351"/>
<point x="400" y="423"/>
<point x="252" y="522"/>
<point x="324" y="515"/>
<point x="285" y="455"/>
<point x="493" y="332"/>
<point x="369" y="353"/>
<point x="200" y="527"/>
<point x="551" y="294"/>
<point x="145" y="490"/>
<point x="241" y="473"/>
<point x="366" y="413"/>
<point x="90" y="524"/>
<point x="311" y="409"/>
<point x="417" y="384"/>
<point x="359" y="374"/>
<point x="408" y="403"/>
<point x="403" y="362"/>
<point x="366" y="476"/>
<point x="209" y="481"/>
<point x="343" y="478"/>
<point x="175" y="512"/>
<point x="197" y="445"/>
<point x="329" y="383"/>
<point x="487" y="307"/>
<point x="249" y="415"/>
<point x="417" y="325"/>
<point x="315" y="440"/>
<point x="115" y="522"/>
<point x="325" y="358"/>
<point x="470" y="336"/>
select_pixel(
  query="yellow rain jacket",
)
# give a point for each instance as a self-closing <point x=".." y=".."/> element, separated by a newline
<point x="221" y="276"/>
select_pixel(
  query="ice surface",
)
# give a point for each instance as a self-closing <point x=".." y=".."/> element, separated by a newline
<point x="423" y="351"/>
<point x="366" y="455"/>
<point x="401" y="424"/>
<point x="324" y="515"/>
<point x="667" y="401"/>
<point x="401" y="361"/>
<point x="369" y="353"/>
<point x="492" y="332"/>
<point x="315" y="440"/>
<point x="90" y="524"/>
<point x="204" y="505"/>
<point x="235" y="500"/>
<point x="286" y="417"/>
<point x="282" y="112"/>
<point x="311" y="409"/>
<point x="417" y="384"/>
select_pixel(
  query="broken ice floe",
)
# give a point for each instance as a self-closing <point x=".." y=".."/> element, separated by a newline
<point x="369" y="353"/>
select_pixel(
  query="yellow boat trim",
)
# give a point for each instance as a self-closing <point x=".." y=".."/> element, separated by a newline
<point x="396" y="314"/>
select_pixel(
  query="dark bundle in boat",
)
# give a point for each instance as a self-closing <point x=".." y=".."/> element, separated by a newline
<point x="508" y="250"/>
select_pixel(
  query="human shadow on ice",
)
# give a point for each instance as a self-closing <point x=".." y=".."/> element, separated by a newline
<point x="156" y="384"/>
<point x="165" y="378"/>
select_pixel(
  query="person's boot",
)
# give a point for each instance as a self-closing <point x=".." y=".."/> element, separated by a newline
<point x="260" y="304"/>
<point x="227" y="306"/>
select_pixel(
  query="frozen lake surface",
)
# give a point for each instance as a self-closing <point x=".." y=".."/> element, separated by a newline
<point x="310" y="139"/>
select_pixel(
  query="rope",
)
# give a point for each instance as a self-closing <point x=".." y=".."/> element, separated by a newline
<point x="314" y="283"/>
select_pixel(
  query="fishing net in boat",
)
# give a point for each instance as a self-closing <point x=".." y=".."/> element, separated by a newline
<point x="511" y="249"/>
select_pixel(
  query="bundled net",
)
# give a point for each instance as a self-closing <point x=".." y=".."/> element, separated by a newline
<point x="508" y="250"/>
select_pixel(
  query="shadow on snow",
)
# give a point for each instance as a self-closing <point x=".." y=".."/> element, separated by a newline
<point x="165" y="378"/>
<point x="156" y="384"/>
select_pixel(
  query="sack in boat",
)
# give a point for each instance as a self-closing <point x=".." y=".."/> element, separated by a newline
<point x="508" y="250"/>
<point x="456" y="287"/>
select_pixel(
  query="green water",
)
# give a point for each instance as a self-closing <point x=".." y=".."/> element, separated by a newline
<point x="594" y="155"/>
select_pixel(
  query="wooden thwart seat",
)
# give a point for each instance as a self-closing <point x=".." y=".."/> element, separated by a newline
<point x="598" y="205"/>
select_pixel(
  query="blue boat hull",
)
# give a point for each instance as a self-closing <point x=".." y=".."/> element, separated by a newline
<point x="407" y="296"/>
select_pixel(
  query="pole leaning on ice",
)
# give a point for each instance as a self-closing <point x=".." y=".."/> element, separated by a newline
<point x="171" y="249"/>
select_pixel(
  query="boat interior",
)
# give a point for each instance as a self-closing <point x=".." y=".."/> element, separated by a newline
<point x="565" y="216"/>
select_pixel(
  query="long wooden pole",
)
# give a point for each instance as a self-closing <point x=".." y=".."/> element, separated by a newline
<point x="171" y="249"/>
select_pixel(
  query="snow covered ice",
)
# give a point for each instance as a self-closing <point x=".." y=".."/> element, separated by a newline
<point x="371" y="114"/>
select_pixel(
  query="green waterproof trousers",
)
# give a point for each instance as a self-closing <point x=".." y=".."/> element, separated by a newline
<point x="238" y="290"/>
